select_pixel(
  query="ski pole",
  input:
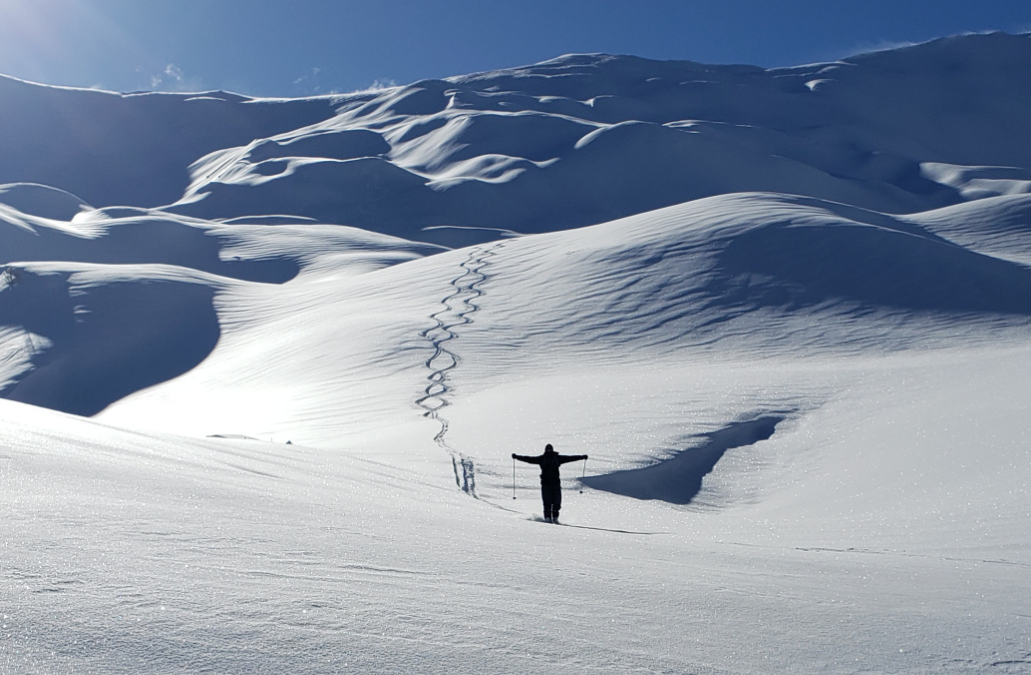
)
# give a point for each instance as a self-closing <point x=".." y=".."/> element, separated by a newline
<point x="584" y="473"/>
<point x="513" y="478"/>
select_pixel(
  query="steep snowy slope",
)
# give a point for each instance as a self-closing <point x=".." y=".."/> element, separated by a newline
<point x="129" y="149"/>
<point x="578" y="140"/>
<point x="586" y="139"/>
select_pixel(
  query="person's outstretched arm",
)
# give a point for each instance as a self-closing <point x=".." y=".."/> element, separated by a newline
<point x="563" y="459"/>
<point x="527" y="459"/>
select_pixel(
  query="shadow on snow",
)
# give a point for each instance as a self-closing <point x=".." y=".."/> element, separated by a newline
<point x="679" y="479"/>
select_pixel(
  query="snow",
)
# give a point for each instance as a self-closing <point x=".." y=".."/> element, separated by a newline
<point x="787" y="321"/>
<point x="588" y="139"/>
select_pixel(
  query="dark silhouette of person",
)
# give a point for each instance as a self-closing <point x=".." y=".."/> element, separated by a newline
<point x="551" y="482"/>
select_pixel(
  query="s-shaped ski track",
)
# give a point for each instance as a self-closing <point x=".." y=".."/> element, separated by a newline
<point x="458" y="308"/>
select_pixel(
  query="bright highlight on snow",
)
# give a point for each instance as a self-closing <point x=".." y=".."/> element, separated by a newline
<point x="266" y="365"/>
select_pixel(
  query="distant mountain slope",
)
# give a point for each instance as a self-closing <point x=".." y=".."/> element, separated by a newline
<point x="574" y="141"/>
<point x="586" y="139"/>
<point x="129" y="149"/>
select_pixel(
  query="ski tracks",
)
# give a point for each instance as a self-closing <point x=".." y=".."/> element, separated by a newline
<point x="457" y="310"/>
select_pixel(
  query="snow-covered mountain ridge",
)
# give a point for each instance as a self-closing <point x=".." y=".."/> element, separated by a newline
<point x="569" y="142"/>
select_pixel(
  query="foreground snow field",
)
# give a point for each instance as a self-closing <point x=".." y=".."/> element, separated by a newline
<point x="884" y="532"/>
<point x="238" y="441"/>
<point x="882" y="527"/>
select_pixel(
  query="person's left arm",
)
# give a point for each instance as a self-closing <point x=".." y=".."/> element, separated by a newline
<point x="565" y="459"/>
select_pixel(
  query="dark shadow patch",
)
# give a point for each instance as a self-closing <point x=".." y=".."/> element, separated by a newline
<point x="130" y="150"/>
<point x="454" y="237"/>
<point x="106" y="341"/>
<point x="148" y="240"/>
<point x="679" y="479"/>
<point x="346" y="144"/>
<point x="799" y="266"/>
<point x="272" y="167"/>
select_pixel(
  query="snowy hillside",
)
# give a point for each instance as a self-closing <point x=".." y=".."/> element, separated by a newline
<point x="265" y="363"/>
<point x="574" y="141"/>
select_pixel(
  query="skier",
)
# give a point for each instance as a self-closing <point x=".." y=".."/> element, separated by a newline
<point x="551" y="483"/>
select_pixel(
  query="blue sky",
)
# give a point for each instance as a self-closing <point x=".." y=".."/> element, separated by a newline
<point x="303" y="47"/>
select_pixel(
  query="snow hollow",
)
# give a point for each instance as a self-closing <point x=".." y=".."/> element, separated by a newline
<point x="264" y="363"/>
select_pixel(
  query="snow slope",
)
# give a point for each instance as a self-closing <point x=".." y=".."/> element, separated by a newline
<point x="578" y="140"/>
<point x="587" y="139"/>
<point x="129" y="149"/>
<point x="168" y="554"/>
<point x="786" y="313"/>
<point x="885" y="518"/>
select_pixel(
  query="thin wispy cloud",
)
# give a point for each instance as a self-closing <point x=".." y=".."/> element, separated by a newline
<point x="173" y="71"/>
<point x="378" y="84"/>
<point x="172" y="78"/>
<point x="309" y="84"/>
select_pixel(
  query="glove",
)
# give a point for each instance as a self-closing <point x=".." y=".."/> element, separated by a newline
<point x="513" y="455"/>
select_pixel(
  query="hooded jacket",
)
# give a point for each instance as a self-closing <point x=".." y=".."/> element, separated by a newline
<point x="549" y="462"/>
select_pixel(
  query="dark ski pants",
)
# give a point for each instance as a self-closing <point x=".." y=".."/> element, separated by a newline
<point x="552" y="496"/>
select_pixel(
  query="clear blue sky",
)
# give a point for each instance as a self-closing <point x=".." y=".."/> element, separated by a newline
<point x="302" y="47"/>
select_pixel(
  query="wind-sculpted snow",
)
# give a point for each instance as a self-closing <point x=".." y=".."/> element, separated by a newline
<point x="724" y="277"/>
<point x="109" y="302"/>
<point x="143" y="239"/>
<point x="575" y="141"/>
<point x="587" y="139"/>
<point x="875" y="266"/>
<point x="755" y="273"/>
<point x="243" y="249"/>
<point x="678" y="478"/>
<point x="42" y="201"/>
<point x="999" y="227"/>
<point x="94" y="335"/>
<point x="761" y="272"/>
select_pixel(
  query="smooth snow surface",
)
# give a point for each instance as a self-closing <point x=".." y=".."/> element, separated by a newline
<point x="786" y="313"/>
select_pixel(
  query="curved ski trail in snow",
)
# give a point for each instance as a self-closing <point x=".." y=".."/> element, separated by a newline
<point x="458" y="308"/>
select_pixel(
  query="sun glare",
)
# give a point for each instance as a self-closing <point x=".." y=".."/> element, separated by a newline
<point x="47" y="40"/>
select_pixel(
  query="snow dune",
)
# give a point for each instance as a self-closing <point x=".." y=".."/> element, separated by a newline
<point x="786" y="313"/>
<point x="752" y="273"/>
<point x="110" y="302"/>
<point x="575" y="141"/>
<point x="587" y="139"/>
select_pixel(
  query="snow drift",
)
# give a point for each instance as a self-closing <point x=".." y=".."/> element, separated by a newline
<point x="570" y="142"/>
